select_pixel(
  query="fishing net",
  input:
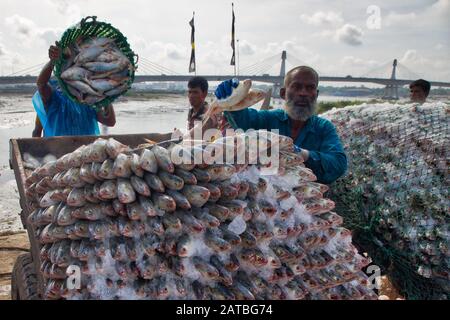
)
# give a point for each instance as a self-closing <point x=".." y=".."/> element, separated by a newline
<point x="395" y="195"/>
<point x="90" y="27"/>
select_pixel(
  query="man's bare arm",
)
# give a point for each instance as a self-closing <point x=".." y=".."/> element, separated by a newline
<point x="42" y="81"/>
<point x="107" y="116"/>
<point x="37" y="132"/>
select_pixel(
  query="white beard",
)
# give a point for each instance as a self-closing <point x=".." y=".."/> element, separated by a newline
<point x="300" y="113"/>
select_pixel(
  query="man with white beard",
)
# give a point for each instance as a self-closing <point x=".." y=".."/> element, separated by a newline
<point x="315" y="137"/>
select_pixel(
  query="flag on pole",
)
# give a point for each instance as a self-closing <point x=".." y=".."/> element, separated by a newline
<point x="192" y="62"/>
<point x="233" y="61"/>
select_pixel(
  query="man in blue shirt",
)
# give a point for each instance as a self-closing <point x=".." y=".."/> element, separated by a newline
<point x="57" y="115"/>
<point x="315" y="137"/>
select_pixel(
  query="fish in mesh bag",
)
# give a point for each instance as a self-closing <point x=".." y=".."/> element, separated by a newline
<point x="395" y="195"/>
<point x="140" y="225"/>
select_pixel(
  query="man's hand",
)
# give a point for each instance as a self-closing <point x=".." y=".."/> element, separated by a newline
<point x="225" y="89"/>
<point x="303" y="152"/>
<point x="176" y="133"/>
<point x="54" y="52"/>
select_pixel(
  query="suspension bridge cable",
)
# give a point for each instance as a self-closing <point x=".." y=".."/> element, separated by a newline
<point x="146" y="70"/>
<point x="160" y="69"/>
<point x="149" y="68"/>
<point x="153" y="69"/>
<point x="295" y="61"/>
<point x="255" y="69"/>
<point x="259" y="62"/>
<point x="149" y="65"/>
<point x="267" y="68"/>
<point x="381" y="71"/>
<point x="32" y="68"/>
<point x="409" y="74"/>
<point x="260" y="68"/>
<point x="166" y="70"/>
<point x="255" y="65"/>
<point x="262" y="64"/>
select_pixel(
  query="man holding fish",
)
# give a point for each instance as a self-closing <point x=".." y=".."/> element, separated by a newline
<point x="315" y="137"/>
<point x="57" y="115"/>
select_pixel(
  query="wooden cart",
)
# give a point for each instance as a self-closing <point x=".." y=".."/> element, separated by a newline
<point x="27" y="282"/>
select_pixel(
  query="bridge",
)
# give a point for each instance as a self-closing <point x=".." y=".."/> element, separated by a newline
<point x="151" y="72"/>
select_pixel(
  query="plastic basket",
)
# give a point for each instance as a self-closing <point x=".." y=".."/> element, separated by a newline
<point x="90" y="27"/>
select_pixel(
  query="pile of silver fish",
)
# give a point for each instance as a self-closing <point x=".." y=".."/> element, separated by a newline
<point x="396" y="191"/>
<point x="139" y="224"/>
<point x="94" y="69"/>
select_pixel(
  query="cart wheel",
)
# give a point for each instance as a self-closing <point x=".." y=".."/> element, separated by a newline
<point x="24" y="280"/>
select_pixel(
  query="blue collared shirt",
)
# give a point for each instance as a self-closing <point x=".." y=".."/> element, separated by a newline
<point x="327" y="158"/>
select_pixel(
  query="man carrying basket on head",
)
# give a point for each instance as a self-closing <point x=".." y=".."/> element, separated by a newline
<point x="57" y="114"/>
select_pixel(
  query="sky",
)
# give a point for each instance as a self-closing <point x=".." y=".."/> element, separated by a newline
<point x="338" y="38"/>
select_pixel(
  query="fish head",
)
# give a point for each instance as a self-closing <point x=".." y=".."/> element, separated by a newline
<point x="183" y="251"/>
<point x="274" y="262"/>
<point x="127" y="228"/>
<point x="81" y="227"/>
<point x="225" y="246"/>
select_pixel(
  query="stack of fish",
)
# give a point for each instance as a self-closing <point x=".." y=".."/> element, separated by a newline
<point x="94" y="69"/>
<point x="396" y="192"/>
<point x="139" y="224"/>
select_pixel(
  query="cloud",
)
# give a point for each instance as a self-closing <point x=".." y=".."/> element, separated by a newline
<point x="50" y="35"/>
<point x="22" y="26"/>
<point x="246" y="48"/>
<point x="300" y="53"/>
<point x="321" y="18"/>
<point x="441" y="6"/>
<point x="346" y="33"/>
<point x="12" y="61"/>
<point x="175" y="52"/>
<point x="413" y="64"/>
<point x="267" y="58"/>
<point x="71" y="11"/>
<point x="356" y="66"/>
<point x="63" y="6"/>
<point x="137" y="43"/>
<point x="2" y="50"/>
<point x="398" y="19"/>
<point x="27" y="31"/>
<point x="157" y="50"/>
<point x="358" y="62"/>
<point x="156" y="55"/>
<point x="431" y="15"/>
<point x="410" y="56"/>
<point x="349" y="34"/>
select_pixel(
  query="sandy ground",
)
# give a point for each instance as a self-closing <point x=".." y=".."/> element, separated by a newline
<point x="11" y="246"/>
<point x="9" y="208"/>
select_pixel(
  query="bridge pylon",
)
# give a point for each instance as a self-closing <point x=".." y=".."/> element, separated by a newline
<point x="277" y="86"/>
<point x="391" y="90"/>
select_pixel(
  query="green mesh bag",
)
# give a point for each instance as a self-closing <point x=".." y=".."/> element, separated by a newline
<point x="395" y="195"/>
<point x="90" y="27"/>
